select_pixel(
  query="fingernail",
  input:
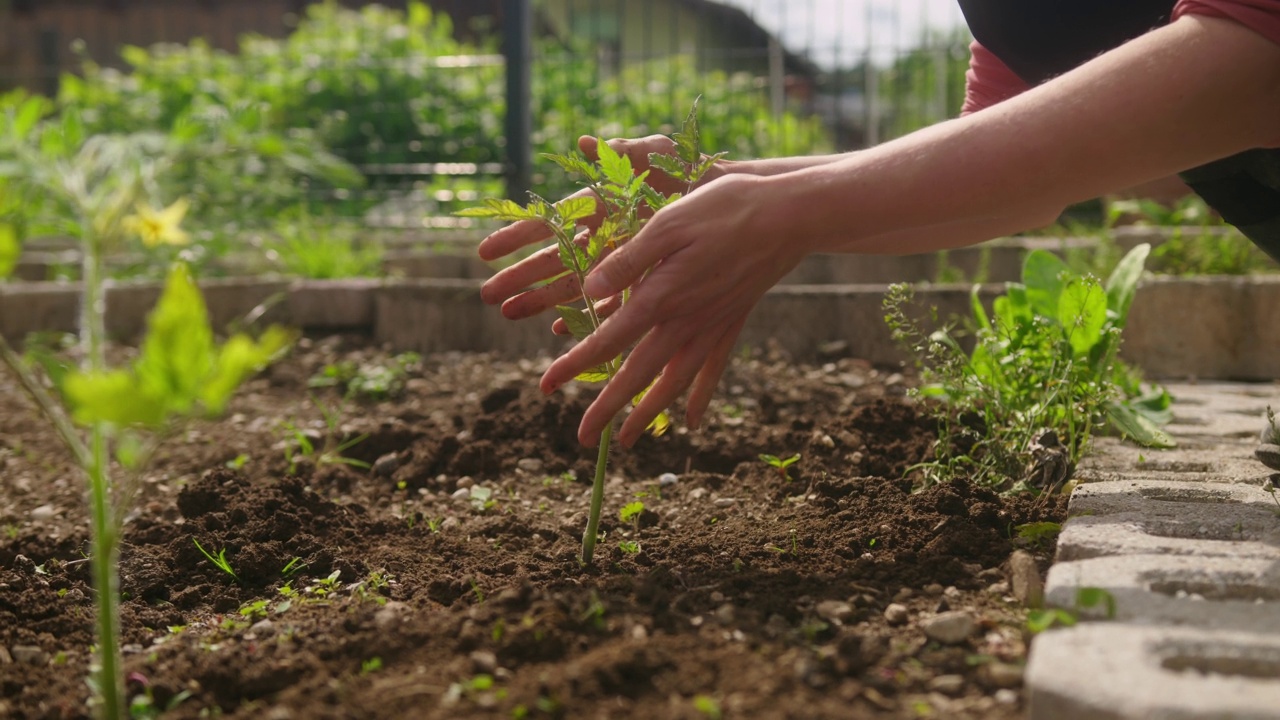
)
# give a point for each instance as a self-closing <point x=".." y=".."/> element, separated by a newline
<point x="596" y="286"/>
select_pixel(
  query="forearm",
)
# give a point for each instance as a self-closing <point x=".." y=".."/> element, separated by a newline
<point x="945" y="236"/>
<point x="1186" y="94"/>
<point x="778" y="166"/>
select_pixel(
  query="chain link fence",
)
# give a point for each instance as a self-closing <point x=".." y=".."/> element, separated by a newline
<point x="424" y="100"/>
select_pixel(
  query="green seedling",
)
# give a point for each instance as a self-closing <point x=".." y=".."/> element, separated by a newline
<point x="794" y="550"/>
<point x="1039" y="533"/>
<point x="630" y="547"/>
<point x="326" y="586"/>
<point x="623" y="198"/>
<point x="708" y="707"/>
<point x="219" y="561"/>
<point x="1044" y="358"/>
<point x="255" y="610"/>
<point x="482" y="498"/>
<point x="371" y="665"/>
<point x="1086" y="597"/>
<point x="780" y="464"/>
<point x="631" y="513"/>
<point x="238" y="462"/>
<point x="332" y="449"/>
<point x="368" y="381"/>
<point x="292" y="567"/>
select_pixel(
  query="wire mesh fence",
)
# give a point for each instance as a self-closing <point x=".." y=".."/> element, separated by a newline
<point x="414" y="97"/>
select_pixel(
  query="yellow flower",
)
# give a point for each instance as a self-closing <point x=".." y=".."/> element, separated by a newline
<point x="159" y="227"/>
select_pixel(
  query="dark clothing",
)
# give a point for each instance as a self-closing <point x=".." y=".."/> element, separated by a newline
<point x="1041" y="39"/>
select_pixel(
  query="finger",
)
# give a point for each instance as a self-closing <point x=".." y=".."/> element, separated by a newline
<point x="626" y="326"/>
<point x="704" y="386"/>
<point x="637" y="149"/>
<point x="534" y="269"/>
<point x="676" y="376"/>
<point x="528" y="304"/>
<point x="626" y="265"/>
<point x="640" y="368"/>
<point x="604" y="309"/>
<point x="506" y="240"/>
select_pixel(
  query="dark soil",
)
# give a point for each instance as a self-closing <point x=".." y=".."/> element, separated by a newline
<point x="412" y="596"/>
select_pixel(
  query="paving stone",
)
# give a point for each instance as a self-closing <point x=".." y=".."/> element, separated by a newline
<point x="1134" y="534"/>
<point x="1228" y="593"/>
<point x="1171" y="498"/>
<point x="1114" y="671"/>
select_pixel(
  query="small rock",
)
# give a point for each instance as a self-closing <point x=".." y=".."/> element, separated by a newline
<point x="484" y="661"/>
<point x="933" y="589"/>
<point x="725" y="502"/>
<point x="530" y="465"/>
<point x="390" y="614"/>
<point x="1024" y="579"/>
<point x="951" y="592"/>
<point x="463" y="482"/>
<point x="639" y="633"/>
<point x="947" y="684"/>
<point x="949" y="628"/>
<point x="834" y="611"/>
<point x="24" y="564"/>
<point x="668" y="478"/>
<point x="697" y="493"/>
<point x="44" y="512"/>
<point x="30" y="655"/>
<point x="263" y="628"/>
<point x="896" y="614"/>
<point x="462" y="493"/>
<point x="1002" y="675"/>
<point x="449" y="523"/>
<point x="998" y="589"/>
<point x="5" y="657"/>
<point x="903" y="594"/>
<point x="386" y="465"/>
<point x="1006" y="696"/>
<point x="279" y="713"/>
<point x="726" y="614"/>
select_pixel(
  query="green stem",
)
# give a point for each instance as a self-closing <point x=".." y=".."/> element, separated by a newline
<point x="597" y="496"/>
<point x="105" y="530"/>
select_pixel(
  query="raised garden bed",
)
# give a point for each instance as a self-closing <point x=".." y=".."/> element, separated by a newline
<point x="748" y="595"/>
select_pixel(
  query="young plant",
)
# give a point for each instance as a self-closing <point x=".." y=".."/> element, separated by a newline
<point x="1043" y="365"/>
<point x="219" y="561"/>
<point x="780" y="464"/>
<point x="103" y="190"/>
<point x="330" y="452"/>
<point x="624" y="199"/>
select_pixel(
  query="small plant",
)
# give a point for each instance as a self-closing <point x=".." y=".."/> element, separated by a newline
<point x="332" y="449"/>
<point x="372" y="665"/>
<point x="707" y="706"/>
<point x="1086" y="597"/>
<point x="630" y="547"/>
<point x="1042" y="365"/>
<point x="631" y="513"/>
<point x="324" y="248"/>
<point x="794" y="549"/>
<point x="1038" y="533"/>
<point x="369" y="381"/>
<point x="482" y="498"/>
<point x="292" y="567"/>
<point x="219" y="561"/>
<point x="624" y="199"/>
<point x="326" y="586"/>
<point x="255" y="610"/>
<point x="780" y="464"/>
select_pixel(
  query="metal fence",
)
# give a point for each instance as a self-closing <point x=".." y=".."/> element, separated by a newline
<point x="434" y="111"/>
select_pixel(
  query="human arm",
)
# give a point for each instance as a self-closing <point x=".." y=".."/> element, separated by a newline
<point x="1194" y="91"/>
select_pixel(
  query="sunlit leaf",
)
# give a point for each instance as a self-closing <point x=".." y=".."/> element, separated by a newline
<point x="578" y="321"/>
<point x="1122" y="285"/>
<point x="689" y="139"/>
<point x="10" y="249"/>
<point x="668" y="164"/>
<point x="572" y="209"/>
<point x="498" y="209"/>
<point x="1082" y="311"/>
<point x="616" y="167"/>
<point x="596" y="374"/>
<point x="575" y="165"/>
<point x="1134" y="425"/>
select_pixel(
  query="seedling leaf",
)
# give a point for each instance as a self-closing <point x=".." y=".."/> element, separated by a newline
<point x="578" y="321"/>
<point x="668" y="164"/>
<point x="689" y="139"/>
<point x="1042" y="273"/>
<point x="575" y="165"/>
<point x="616" y="168"/>
<point x="572" y="209"/>
<point x="505" y="210"/>
<point x="1082" y="311"/>
<point x="9" y="250"/>
<point x="1123" y="282"/>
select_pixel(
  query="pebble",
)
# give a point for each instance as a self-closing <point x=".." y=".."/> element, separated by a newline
<point x="896" y="614"/>
<point x="903" y="594"/>
<point x="933" y="589"/>
<point x="947" y="684"/>
<point x="1002" y="675"/>
<point x="951" y="592"/>
<point x="279" y="713"/>
<point x="668" y="478"/>
<point x="389" y="614"/>
<point x="386" y="465"/>
<point x="263" y="628"/>
<point x="725" y="502"/>
<point x="530" y="465"/>
<point x="484" y="661"/>
<point x="834" y="611"/>
<point x="5" y="657"/>
<point x="44" y="512"/>
<point x="949" y="628"/>
<point x="1006" y="696"/>
<point x="1024" y="579"/>
<point x="462" y="493"/>
<point x="449" y="522"/>
<point x="463" y="483"/>
<point x="697" y="493"/>
<point x="29" y="655"/>
<point x="726" y="614"/>
<point x="998" y="589"/>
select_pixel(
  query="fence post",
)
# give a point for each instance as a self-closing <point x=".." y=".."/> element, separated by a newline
<point x="517" y="32"/>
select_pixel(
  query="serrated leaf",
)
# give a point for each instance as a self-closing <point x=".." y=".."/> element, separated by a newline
<point x="593" y="375"/>
<point x="653" y="198"/>
<point x="571" y="209"/>
<point x="505" y="210"/>
<point x="575" y="165"/>
<point x="239" y="358"/>
<point x="706" y="164"/>
<point x="689" y="139"/>
<point x="177" y="354"/>
<point x="615" y="167"/>
<point x="668" y="164"/>
<point x="578" y="321"/>
<point x="602" y="238"/>
<point x="112" y="396"/>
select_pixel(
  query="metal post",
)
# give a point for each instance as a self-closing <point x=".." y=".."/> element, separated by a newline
<point x="517" y="46"/>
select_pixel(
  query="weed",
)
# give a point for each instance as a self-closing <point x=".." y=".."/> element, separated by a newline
<point x="624" y="199"/>
<point x="780" y="464"/>
<point x="255" y="610"/>
<point x="708" y="707"/>
<point x="238" y="462"/>
<point x="332" y="449"/>
<point x="482" y="498"/>
<point x="1086" y="597"/>
<point x="368" y="381"/>
<point x="326" y="586"/>
<point x="292" y="567"/>
<point x="220" y="561"/>
<point x="630" y="547"/>
<point x="1038" y="533"/>
<point x="794" y="549"/>
<point x="631" y="513"/>
<point x="371" y="665"/>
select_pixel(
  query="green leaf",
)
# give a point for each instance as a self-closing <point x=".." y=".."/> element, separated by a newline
<point x="655" y="200"/>
<point x="177" y="354"/>
<point x="239" y="358"/>
<point x="10" y="249"/>
<point x="1122" y="285"/>
<point x="571" y="209"/>
<point x="1042" y="274"/>
<point x="575" y="165"/>
<point x="630" y="510"/>
<point x="669" y="165"/>
<point x="112" y="396"/>
<point x="579" y="321"/>
<point x="705" y="165"/>
<point x="29" y="113"/>
<point x="616" y="168"/>
<point x="599" y="373"/>
<point x="505" y="210"/>
<point x="1082" y="311"/>
<point x="1040" y="620"/>
<point x="689" y="139"/>
<point x="1089" y="597"/>
<point x="979" y="313"/>
<point x="1131" y="423"/>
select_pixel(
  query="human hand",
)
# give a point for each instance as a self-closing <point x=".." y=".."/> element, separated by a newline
<point x="510" y="286"/>
<point x="695" y="270"/>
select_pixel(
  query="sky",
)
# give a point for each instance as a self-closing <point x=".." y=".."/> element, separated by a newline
<point x="834" y="32"/>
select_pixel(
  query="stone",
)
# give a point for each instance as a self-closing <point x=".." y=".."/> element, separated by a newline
<point x="390" y="614"/>
<point x="947" y="684"/>
<point x="484" y="661"/>
<point x="29" y="655"/>
<point x="44" y="512"/>
<point x="5" y="657"/>
<point x="1024" y="579"/>
<point x="668" y="478"/>
<point x="530" y="465"/>
<point x="1002" y="675"/>
<point x="386" y="465"/>
<point x="896" y="614"/>
<point x="834" y="611"/>
<point x="949" y="628"/>
<point x="263" y="628"/>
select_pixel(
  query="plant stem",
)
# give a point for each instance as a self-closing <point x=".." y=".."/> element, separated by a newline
<point x="105" y="530"/>
<point x="597" y="496"/>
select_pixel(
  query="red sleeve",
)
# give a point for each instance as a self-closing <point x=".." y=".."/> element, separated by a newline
<point x="988" y="81"/>
<point x="1261" y="16"/>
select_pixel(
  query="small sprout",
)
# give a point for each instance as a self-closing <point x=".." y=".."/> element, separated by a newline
<point x="294" y="566"/>
<point x="254" y="610"/>
<point x="1038" y="533"/>
<point x="238" y="462"/>
<point x="482" y="498"/>
<point x="220" y="561"/>
<point x="371" y="665"/>
<point x="631" y="513"/>
<point x="781" y="464"/>
<point x="708" y="706"/>
<point x="630" y="547"/>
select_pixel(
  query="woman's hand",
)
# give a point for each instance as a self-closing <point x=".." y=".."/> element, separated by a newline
<point x="696" y="270"/>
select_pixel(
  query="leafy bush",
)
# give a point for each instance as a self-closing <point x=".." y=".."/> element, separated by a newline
<point x="1044" y="360"/>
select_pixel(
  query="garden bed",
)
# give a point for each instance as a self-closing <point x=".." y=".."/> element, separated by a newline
<point x="750" y="595"/>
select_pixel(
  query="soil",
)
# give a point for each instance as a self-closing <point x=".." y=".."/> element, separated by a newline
<point x="392" y="586"/>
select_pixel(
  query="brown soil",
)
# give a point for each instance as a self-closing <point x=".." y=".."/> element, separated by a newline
<point x="751" y="596"/>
